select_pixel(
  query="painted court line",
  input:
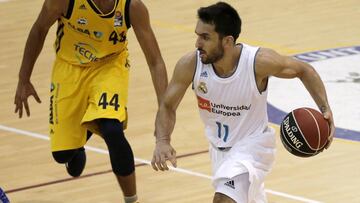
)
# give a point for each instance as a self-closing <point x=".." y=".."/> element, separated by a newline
<point x="179" y="170"/>
<point x="29" y="187"/>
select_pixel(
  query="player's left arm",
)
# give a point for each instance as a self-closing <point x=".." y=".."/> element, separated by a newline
<point x="140" y="21"/>
<point x="270" y="63"/>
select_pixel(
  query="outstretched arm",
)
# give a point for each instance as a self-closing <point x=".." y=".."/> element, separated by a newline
<point x="166" y="115"/>
<point x="270" y="63"/>
<point x="139" y="18"/>
<point x="50" y="12"/>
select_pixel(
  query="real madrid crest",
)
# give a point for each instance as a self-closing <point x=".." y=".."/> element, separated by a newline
<point x="202" y="87"/>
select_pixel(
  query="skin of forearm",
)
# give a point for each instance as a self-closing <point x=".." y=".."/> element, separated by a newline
<point x="316" y="88"/>
<point x="165" y="122"/>
<point x="160" y="80"/>
<point x="33" y="48"/>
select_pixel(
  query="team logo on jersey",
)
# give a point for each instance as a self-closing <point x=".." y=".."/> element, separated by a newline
<point x="51" y="116"/>
<point x="82" y="7"/>
<point x="79" y="29"/>
<point x="230" y="183"/>
<point x="86" y="51"/>
<point x="222" y="109"/>
<point x="204" y="104"/>
<point x="118" y="19"/>
<point x="202" y="87"/>
<point x="82" y="21"/>
<point x="204" y="74"/>
<point x="98" y="34"/>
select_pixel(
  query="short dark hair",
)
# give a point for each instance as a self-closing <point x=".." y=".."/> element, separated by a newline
<point x="225" y="18"/>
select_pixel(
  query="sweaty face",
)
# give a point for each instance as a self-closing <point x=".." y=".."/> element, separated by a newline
<point x="208" y="43"/>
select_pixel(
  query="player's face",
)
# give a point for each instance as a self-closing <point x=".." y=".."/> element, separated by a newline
<point x="208" y="43"/>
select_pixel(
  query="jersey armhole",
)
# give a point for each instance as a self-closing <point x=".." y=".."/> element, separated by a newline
<point x="196" y="65"/>
<point x="127" y="15"/>
<point x="70" y="9"/>
<point x="254" y="72"/>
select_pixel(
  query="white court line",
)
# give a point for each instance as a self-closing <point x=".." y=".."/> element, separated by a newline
<point x="180" y="170"/>
<point x="3" y="1"/>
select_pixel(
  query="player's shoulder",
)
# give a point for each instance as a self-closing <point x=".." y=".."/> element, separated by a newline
<point x="267" y="57"/>
<point x="57" y="6"/>
<point x="137" y="5"/>
<point x="264" y="54"/>
<point x="188" y="60"/>
<point x="136" y="2"/>
<point x="185" y="67"/>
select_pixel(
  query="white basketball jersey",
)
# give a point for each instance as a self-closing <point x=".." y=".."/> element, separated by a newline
<point x="232" y="107"/>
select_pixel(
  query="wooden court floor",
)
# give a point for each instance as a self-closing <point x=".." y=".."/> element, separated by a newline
<point x="29" y="175"/>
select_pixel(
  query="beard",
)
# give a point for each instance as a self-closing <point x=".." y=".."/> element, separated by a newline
<point x="213" y="56"/>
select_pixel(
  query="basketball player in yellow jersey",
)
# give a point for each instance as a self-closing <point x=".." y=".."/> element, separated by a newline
<point x="89" y="81"/>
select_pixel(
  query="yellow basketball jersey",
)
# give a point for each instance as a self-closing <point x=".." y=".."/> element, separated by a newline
<point x="85" y="34"/>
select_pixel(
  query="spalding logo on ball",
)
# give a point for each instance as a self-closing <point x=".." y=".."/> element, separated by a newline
<point x="304" y="132"/>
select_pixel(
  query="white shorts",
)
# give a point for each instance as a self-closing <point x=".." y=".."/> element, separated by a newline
<point x="253" y="155"/>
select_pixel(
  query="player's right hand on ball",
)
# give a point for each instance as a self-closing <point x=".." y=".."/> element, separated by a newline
<point x="163" y="152"/>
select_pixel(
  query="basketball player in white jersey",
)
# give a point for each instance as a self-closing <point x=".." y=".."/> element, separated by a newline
<point x="230" y="82"/>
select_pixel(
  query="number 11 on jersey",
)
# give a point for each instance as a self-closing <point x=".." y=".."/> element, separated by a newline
<point x="220" y="133"/>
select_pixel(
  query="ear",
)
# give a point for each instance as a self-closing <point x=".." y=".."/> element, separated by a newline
<point x="228" y="41"/>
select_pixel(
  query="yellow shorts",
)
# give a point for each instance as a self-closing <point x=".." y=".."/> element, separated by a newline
<point x="81" y="94"/>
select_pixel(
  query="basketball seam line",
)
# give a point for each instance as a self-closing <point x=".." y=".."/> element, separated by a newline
<point x="317" y="126"/>
<point x="290" y="145"/>
<point x="302" y="134"/>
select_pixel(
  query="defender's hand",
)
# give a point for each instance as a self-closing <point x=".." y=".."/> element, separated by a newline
<point x="23" y="91"/>
<point x="163" y="152"/>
